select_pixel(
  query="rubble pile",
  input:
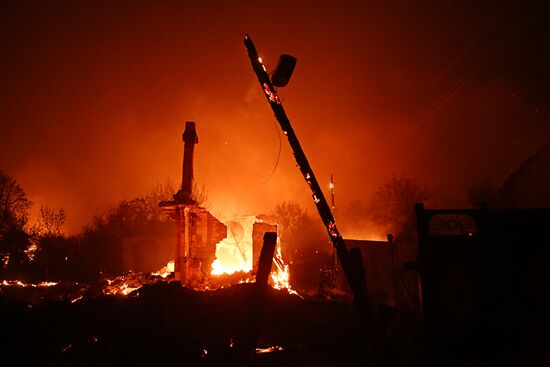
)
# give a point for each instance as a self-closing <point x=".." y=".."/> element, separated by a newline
<point x="160" y="322"/>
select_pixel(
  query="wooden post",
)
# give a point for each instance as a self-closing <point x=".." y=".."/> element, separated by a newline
<point x="266" y="259"/>
<point x="247" y="346"/>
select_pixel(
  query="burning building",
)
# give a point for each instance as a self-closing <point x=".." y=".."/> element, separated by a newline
<point x="240" y="250"/>
<point x="197" y="231"/>
<point x="201" y="240"/>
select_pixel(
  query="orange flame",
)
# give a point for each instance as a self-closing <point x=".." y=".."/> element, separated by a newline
<point x="281" y="277"/>
<point x="234" y="253"/>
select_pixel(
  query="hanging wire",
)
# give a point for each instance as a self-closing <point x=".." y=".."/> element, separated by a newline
<point x="278" y="153"/>
<point x="278" y="156"/>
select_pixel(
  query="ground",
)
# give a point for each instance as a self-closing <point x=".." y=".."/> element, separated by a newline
<point x="164" y="323"/>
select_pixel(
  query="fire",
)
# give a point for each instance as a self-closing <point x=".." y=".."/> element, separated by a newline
<point x="21" y="284"/>
<point x="234" y="253"/>
<point x="272" y="349"/>
<point x="31" y="251"/>
<point x="166" y="270"/>
<point x="78" y="298"/>
<point x="123" y="285"/>
<point x="281" y="277"/>
<point x="126" y="290"/>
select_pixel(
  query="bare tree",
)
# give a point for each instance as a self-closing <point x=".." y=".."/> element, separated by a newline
<point x="393" y="203"/>
<point x="288" y="216"/>
<point x="14" y="204"/>
<point x="14" y="212"/>
<point x="302" y="235"/>
<point x="51" y="221"/>
<point x="200" y="194"/>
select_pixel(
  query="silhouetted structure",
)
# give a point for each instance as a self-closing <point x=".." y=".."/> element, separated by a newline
<point x="529" y="185"/>
<point x="485" y="284"/>
<point x="148" y="249"/>
<point x="382" y="276"/>
<point x="197" y="231"/>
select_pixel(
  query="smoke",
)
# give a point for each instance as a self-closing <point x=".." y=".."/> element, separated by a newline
<point x="93" y="114"/>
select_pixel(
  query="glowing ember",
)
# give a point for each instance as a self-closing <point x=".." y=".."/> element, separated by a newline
<point x="66" y="348"/>
<point x="250" y="279"/>
<point x="31" y="251"/>
<point x="21" y="284"/>
<point x="121" y="289"/>
<point x="5" y="261"/>
<point x="126" y="290"/>
<point x="275" y="348"/>
<point x="273" y="97"/>
<point x="166" y="270"/>
<point x="77" y="299"/>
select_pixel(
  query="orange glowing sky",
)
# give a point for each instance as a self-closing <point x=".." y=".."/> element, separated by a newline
<point x="94" y="96"/>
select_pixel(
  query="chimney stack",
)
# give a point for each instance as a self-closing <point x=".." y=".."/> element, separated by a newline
<point x="190" y="138"/>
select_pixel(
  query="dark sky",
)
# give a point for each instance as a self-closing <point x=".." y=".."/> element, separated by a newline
<point x="94" y="96"/>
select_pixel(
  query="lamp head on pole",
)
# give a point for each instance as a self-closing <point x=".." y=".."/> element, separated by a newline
<point x="282" y="73"/>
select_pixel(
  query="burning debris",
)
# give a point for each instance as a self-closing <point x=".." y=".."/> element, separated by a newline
<point x="100" y="324"/>
<point x="197" y="231"/>
<point x="207" y="250"/>
<point x="212" y="266"/>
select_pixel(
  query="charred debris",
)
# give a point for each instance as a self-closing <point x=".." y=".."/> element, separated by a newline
<point x="459" y="288"/>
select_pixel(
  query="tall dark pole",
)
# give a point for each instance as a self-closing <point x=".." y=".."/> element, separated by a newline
<point x="306" y="170"/>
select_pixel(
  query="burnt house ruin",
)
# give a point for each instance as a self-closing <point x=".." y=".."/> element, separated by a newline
<point x="197" y="231"/>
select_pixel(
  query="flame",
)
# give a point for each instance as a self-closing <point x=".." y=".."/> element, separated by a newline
<point x="166" y="270"/>
<point x="126" y="290"/>
<point x="234" y="253"/>
<point x="228" y="260"/>
<point x="31" y="251"/>
<point x="120" y="289"/>
<point x="78" y="298"/>
<point x="281" y="277"/>
<point x="21" y="284"/>
<point x="272" y="349"/>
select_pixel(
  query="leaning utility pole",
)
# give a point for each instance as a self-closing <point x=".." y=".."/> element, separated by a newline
<point x="356" y="285"/>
